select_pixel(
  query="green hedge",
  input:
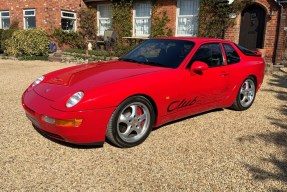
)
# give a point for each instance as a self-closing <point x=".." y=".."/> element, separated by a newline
<point x="73" y="39"/>
<point x="5" y="35"/>
<point x="27" y="42"/>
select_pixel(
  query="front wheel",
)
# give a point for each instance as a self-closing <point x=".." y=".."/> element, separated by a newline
<point x="131" y="122"/>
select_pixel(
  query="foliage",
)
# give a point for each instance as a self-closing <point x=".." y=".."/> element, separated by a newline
<point x="88" y="23"/>
<point x="122" y="14"/>
<point x="14" y="25"/>
<point x="92" y="52"/>
<point x="1" y="32"/>
<point x="123" y="49"/>
<point x="217" y="21"/>
<point x="122" y="23"/>
<point x="34" y="57"/>
<point x="159" y="22"/>
<point x="71" y="38"/>
<point x="4" y="35"/>
<point x="27" y="42"/>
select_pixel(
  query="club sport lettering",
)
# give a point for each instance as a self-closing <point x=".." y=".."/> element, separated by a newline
<point x="176" y="105"/>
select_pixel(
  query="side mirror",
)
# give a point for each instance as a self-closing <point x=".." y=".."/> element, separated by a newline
<point x="198" y="67"/>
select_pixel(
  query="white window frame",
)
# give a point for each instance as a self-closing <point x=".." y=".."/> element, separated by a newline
<point x="134" y="20"/>
<point x="24" y="16"/>
<point x="72" y="18"/>
<point x="4" y="17"/>
<point x="103" y="18"/>
<point x="185" y="16"/>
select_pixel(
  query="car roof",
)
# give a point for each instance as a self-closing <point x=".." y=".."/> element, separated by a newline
<point x="197" y="39"/>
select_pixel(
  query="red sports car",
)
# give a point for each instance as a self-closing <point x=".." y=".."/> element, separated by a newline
<point x="159" y="81"/>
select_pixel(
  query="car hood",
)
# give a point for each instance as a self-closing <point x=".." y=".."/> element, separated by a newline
<point x="67" y="81"/>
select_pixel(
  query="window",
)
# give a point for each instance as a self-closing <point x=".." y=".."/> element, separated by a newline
<point x="231" y="55"/>
<point x="4" y="19"/>
<point x="104" y="18"/>
<point x="187" y="17"/>
<point x="142" y="19"/>
<point x="246" y="51"/>
<point x="210" y="54"/>
<point x="68" y="21"/>
<point x="29" y="18"/>
<point x="160" y="52"/>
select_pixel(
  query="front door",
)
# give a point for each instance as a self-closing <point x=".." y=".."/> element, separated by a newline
<point x="252" y="27"/>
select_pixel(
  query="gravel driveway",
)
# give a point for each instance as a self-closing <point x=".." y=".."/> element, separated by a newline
<point x="222" y="150"/>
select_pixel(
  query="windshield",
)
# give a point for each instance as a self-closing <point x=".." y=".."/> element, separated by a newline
<point x="160" y="52"/>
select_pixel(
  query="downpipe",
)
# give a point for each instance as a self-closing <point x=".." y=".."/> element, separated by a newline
<point x="278" y="33"/>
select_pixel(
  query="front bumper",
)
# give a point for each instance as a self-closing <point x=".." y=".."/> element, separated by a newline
<point x="92" y="129"/>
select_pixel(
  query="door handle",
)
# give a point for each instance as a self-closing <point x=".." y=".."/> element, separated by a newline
<point x="224" y="74"/>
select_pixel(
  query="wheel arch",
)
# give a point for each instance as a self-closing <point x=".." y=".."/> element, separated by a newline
<point x="255" y="79"/>
<point x="150" y="99"/>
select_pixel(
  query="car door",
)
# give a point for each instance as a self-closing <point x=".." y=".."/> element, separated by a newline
<point x="203" y="90"/>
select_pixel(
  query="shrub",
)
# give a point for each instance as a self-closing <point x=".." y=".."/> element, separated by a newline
<point x="1" y="31"/>
<point x="73" y="39"/>
<point x="5" y="35"/>
<point x="159" y="24"/>
<point x="27" y="42"/>
<point x="88" y="23"/>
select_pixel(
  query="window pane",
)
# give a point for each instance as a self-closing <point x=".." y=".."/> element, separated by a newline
<point x="105" y="11"/>
<point x="142" y="22"/>
<point x="187" y="26"/>
<point x="5" y="23"/>
<point x="143" y="9"/>
<point x="27" y="13"/>
<point x="231" y="55"/>
<point x="71" y="15"/>
<point x="210" y="54"/>
<point x="30" y="22"/>
<point x="167" y="53"/>
<point x="187" y="18"/>
<point x="188" y="7"/>
<point x="68" y="24"/>
<point x="142" y="26"/>
<point x="104" y="24"/>
<point x="5" y="14"/>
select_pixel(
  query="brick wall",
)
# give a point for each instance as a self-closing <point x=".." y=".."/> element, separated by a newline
<point x="170" y="7"/>
<point x="48" y="13"/>
<point x="270" y="30"/>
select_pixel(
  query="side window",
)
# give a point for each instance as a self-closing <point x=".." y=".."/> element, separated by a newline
<point x="231" y="55"/>
<point x="210" y="54"/>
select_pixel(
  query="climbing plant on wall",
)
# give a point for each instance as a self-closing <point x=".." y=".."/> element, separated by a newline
<point x="214" y="16"/>
<point x="122" y="23"/>
<point x="159" y="22"/>
<point x="88" y="23"/>
<point x="122" y="17"/>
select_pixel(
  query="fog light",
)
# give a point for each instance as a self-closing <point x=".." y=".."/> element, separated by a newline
<point x="62" y="122"/>
<point x="48" y="119"/>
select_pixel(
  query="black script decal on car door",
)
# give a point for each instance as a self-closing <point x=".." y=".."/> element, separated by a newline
<point x="175" y="105"/>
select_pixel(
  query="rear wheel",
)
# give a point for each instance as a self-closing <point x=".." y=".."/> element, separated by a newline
<point x="131" y="122"/>
<point x="246" y="95"/>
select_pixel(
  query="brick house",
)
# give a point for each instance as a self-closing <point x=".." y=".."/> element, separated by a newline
<point x="259" y="26"/>
<point x="41" y="13"/>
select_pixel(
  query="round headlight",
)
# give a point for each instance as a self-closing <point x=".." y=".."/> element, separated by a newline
<point x="75" y="99"/>
<point x="38" y="81"/>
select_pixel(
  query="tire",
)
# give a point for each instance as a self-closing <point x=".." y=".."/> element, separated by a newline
<point x="131" y="122"/>
<point x="246" y="95"/>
